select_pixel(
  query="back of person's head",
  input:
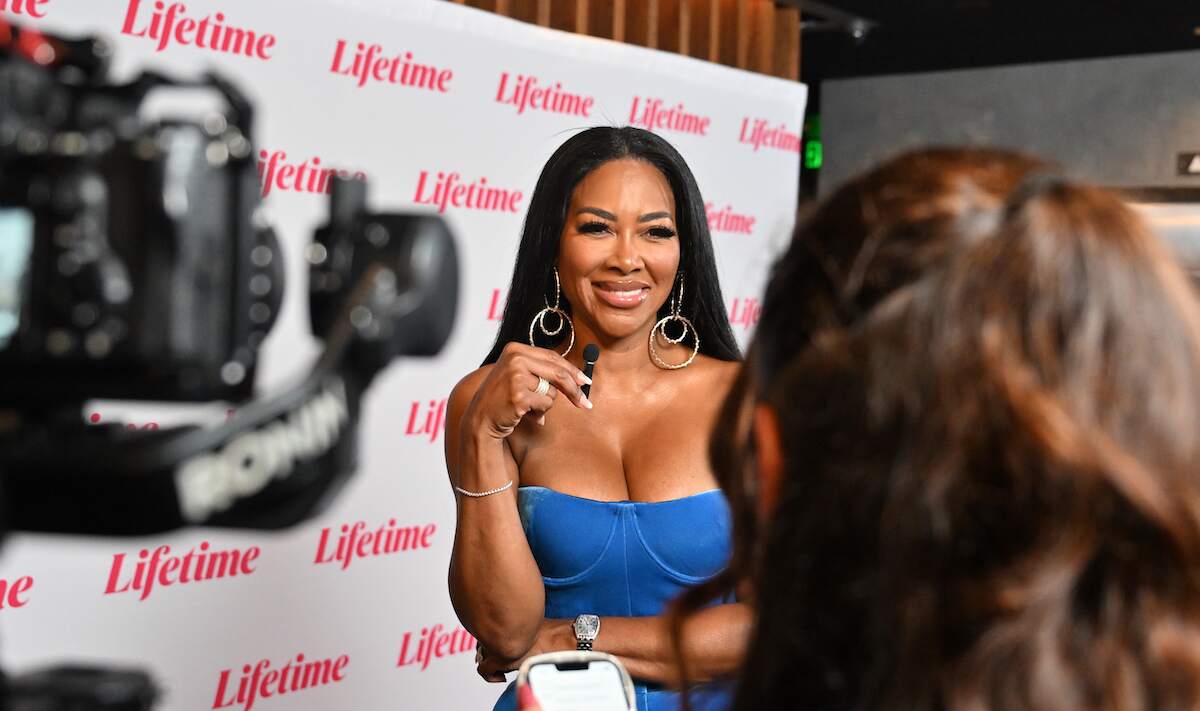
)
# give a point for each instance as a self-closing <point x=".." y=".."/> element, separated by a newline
<point x="877" y="233"/>
<point x="991" y="497"/>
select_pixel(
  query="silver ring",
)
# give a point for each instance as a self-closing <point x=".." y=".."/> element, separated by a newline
<point x="543" y="387"/>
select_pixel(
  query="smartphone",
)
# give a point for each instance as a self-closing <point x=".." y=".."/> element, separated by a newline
<point x="578" y="681"/>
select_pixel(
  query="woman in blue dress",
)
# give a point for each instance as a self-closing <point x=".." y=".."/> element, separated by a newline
<point x="581" y="517"/>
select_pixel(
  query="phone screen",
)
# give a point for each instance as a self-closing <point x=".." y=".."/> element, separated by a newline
<point x="16" y="248"/>
<point x="585" y="686"/>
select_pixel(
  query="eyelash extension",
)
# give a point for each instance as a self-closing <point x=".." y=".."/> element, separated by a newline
<point x="596" y="227"/>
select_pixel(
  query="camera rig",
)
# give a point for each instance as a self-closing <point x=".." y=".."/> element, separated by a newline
<point x="135" y="263"/>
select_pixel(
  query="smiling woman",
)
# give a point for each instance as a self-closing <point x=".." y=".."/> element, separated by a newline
<point x="616" y="510"/>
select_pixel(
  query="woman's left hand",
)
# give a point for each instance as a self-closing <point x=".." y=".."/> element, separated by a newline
<point x="552" y="636"/>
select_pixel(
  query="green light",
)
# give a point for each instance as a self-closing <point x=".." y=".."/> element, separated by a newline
<point x="814" y="155"/>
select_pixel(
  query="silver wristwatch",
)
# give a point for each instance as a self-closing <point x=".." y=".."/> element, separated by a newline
<point x="586" y="629"/>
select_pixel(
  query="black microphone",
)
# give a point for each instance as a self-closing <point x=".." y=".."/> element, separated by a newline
<point x="590" y="355"/>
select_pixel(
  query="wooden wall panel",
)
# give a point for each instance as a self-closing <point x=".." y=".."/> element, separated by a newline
<point x="744" y="27"/>
<point x="569" y="15"/>
<point x="600" y="18"/>
<point x="787" y="43"/>
<point x="699" y="28"/>
<point x="618" y="13"/>
<point x="762" y="38"/>
<point x="523" y="10"/>
<point x="641" y="23"/>
<point x="671" y="28"/>
<point x="724" y="29"/>
<point x="721" y="31"/>
<point x="756" y="35"/>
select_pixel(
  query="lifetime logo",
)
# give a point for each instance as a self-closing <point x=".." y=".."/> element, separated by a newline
<point x="434" y="643"/>
<point x="760" y="135"/>
<point x="448" y="190"/>
<point x="433" y="422"/>
<point x="653" y="117"/>
<point x="163" y="569"/>
<point x="745" y="312"/>
<point x="29" y="8"/>
<point x="354" y="541"/>
<point x="525" y="93"/>
<point x="167" y="25"/>
<point x="274" y="172"/>
<point x="369" y="64"/>
<point x="263" y="682"/>
<point x="726" y="220"/>
<point x="10" y="593"/>
<point x="497" y="304"/>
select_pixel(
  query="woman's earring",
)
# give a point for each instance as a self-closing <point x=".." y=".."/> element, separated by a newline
<point x="660" y="331"/>
<point x="539" y="321"/>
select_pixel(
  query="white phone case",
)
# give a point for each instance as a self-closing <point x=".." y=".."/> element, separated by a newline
<point x="605" y="685"/>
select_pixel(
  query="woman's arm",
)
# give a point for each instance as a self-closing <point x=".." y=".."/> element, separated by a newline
<point x="495" y="584"/>
<point x="714" y="642"/>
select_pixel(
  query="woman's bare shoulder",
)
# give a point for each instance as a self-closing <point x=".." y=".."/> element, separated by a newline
<point x="456" y="407"/>
<point x="715" y="376"/>
<point x="726" y="370"/>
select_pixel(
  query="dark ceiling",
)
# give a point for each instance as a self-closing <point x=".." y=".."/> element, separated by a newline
<point x="845" y="38"/>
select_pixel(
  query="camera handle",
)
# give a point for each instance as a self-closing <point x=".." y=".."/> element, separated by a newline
<point x="273" y="464"/>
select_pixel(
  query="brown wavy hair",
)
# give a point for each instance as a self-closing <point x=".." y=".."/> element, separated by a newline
<point x="991" y="412"/>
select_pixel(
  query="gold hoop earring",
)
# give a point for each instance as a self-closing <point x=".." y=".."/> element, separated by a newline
<point x="539" y="321"/>
<point x="660" y="330"/>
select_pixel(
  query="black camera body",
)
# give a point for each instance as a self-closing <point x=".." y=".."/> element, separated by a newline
<point x="393" y="253"/>
<point x="133" y="261"/>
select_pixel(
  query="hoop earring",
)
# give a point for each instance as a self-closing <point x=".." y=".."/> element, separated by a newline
<point x="660" y="329"/>
<point x="539" y="321"/>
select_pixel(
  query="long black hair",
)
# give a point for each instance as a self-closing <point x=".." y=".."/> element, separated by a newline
<point x="532" y="282"/>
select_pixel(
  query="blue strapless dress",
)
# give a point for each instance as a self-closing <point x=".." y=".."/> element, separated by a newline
<point x="626" y="559"/>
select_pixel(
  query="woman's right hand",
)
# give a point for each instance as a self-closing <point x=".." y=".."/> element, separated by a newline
<point x="509" y="392"/>
<point x="526" y="701"/>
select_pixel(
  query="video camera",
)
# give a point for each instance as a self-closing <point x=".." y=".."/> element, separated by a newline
<point x="136" y="263"/>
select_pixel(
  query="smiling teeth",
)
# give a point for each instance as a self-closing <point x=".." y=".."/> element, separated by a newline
<point x="628" y="294"/>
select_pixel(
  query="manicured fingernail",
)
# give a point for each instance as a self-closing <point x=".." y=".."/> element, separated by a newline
<point x="525" y="697"/>
<point x="584" y="380"/>
<point x="585" y="402"/>
<point x="542" y="420"/>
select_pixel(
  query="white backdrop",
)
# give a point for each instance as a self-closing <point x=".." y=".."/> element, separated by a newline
<point x="445" y="106"/>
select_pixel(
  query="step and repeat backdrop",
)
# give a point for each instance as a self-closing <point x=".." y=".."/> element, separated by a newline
<point x="442" y="109"/>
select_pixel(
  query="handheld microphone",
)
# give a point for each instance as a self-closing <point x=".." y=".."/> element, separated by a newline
<point x="590" y="355"/>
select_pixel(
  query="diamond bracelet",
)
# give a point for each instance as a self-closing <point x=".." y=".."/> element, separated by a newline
<point x="480" y="494"/>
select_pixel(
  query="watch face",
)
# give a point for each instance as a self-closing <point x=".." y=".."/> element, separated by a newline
<point x="587" y="626"/>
